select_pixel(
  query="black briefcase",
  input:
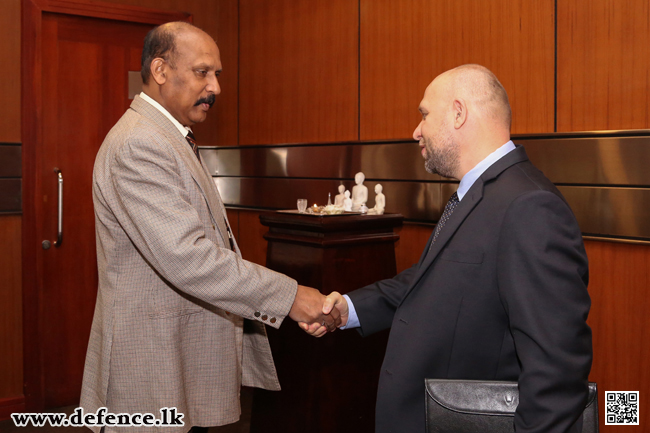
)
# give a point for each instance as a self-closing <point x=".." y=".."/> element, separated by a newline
<point x="477" y="406"/>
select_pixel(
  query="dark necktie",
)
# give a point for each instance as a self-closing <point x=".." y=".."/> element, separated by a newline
<point x="449" y="209"/>
<point x="195" y="147"/>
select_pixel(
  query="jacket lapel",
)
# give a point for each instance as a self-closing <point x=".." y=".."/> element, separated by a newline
<point x="206" y="185"/>
<point x="464" y="208"/>
<point x="197" y="169"/>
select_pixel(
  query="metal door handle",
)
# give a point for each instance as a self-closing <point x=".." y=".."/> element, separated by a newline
<point x="59" y="237"/>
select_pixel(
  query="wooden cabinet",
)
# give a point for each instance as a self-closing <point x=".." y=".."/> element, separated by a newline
<point x="406" y="44"/>
<point x="298" y="71"/>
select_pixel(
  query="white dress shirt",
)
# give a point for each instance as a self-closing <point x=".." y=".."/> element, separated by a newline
<point x="183" y="129"/>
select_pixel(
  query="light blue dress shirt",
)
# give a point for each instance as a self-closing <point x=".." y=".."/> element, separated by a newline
<point x="465" y="184"/>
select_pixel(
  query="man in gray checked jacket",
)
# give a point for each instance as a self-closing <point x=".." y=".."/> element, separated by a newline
<point x="174" y="291"/>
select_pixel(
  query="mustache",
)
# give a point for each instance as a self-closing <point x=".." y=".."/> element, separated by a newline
<point x="207" y="100"/>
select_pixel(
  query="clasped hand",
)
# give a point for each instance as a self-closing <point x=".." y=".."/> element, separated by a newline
<point x="308" y="308"/>
<point x="329" y="312"/>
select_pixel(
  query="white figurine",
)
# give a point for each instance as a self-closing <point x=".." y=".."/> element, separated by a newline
<point x="338" y="200"/>
<point x="380" y="201"/>
<point x="347" y="202"/>
<point x="359" y="192"/>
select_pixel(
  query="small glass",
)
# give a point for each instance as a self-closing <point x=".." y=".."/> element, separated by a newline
<point x="302" y="205"/>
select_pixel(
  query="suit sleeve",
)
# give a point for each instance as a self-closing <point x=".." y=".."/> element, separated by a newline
<point x="154" y="208"/>
<point x="376" y="304"/>
<point x="542" y="278"/>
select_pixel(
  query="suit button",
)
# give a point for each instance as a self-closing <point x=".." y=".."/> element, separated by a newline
<point x="257" y="314"/>
<point x="213" y="227"/>
<point x="227" y="313"/>
<point x="264" y="317"/>
<point x="273" y="319"/>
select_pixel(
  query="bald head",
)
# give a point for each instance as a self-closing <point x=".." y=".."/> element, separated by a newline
<point x="465" y="116"/>
<point x="162" y="42"/>
<point x="180" y="69"/>
<point x="479" y="88"/>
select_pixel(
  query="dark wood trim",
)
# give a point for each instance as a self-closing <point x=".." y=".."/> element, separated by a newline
<point x="10" y="157"/>
<point x="10" y="195"/>
<point x="11" y="405"/>
<point x="514" y="137"/>
<point x="111" y="11"/>
<point x="32" y="105"/>
<point x="31" y="118"/>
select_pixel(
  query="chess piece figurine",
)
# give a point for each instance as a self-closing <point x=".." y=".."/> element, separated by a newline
<point x="359" y="192"/>
<point x="347" y="202"/>
<point x="338" y="199"/>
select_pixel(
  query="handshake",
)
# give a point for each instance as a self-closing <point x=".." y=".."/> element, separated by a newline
<point x="318" y="314"/>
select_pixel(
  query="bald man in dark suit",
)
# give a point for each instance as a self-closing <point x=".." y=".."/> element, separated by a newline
<point x="500" y="292"/>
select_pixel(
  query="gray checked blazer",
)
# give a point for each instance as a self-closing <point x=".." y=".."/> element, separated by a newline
<point x="168" y="329"/>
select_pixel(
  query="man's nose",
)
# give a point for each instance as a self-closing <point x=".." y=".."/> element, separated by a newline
<point x="213" y="85"/>
<point x="417" y="134"/>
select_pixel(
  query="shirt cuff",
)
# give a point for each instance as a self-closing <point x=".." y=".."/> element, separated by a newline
<point x="353" y="319"/>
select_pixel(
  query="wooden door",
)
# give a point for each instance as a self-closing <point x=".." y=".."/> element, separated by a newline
<point x="82" y="91"/>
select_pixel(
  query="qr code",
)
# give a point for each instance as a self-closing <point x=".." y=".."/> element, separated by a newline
<point x="622" y="408"/>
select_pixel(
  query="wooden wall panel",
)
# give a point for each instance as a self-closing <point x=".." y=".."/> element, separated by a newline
<point x="251" y="237"/>
<point x="11" y="337"/>
<point x="406" y="44"/>
<point x="233" y="220"/>
<point x="298" y="77"/>
<point x="603" y="70"/>
<point x="219" y="19"/>
<point x="412" y="240"/>
<point x="10" y="71"/>
<point x="619" y="286"/>
<point x="11" y="318"/>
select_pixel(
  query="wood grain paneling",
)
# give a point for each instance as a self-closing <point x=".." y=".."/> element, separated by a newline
<point x="412" y="240"/>
<point x="10" y="70"/>
<point x="11" y="317"/>
<point x="619" y="286"/>
<point x="298" y="77"/>
<point x="219" y="19"/>
<point x="406" y="44"/>
<point x="603" y="66"/>
<point x="251" y="237"/>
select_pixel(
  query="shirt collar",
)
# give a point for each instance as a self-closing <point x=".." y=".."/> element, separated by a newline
<point x="183" y="129"/>
<point x="470" y="177"/>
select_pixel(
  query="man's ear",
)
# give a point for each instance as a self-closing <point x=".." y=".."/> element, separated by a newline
<point x="159" y="70"/>
<point x="460" y="113"/>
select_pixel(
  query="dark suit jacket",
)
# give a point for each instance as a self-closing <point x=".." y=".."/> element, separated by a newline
<point x="502" y="295"/>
